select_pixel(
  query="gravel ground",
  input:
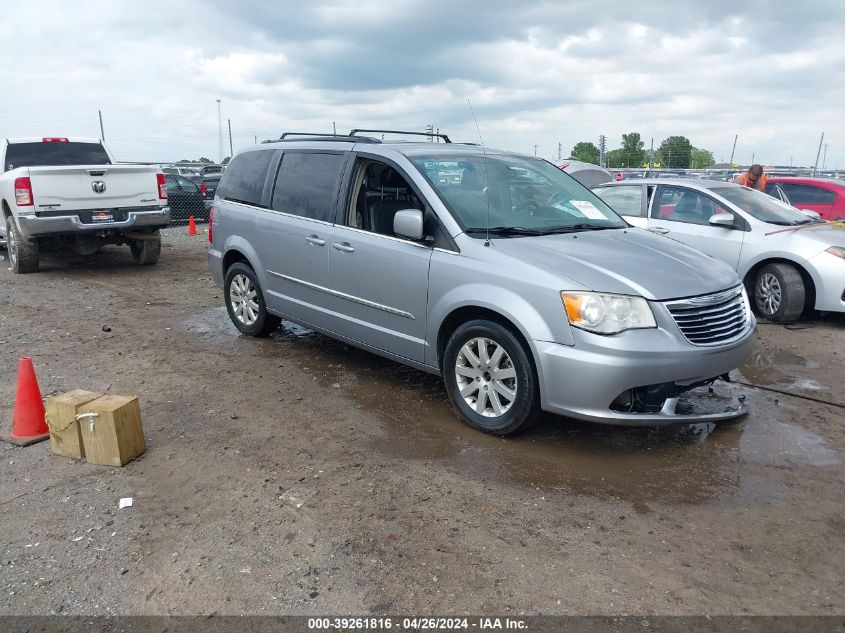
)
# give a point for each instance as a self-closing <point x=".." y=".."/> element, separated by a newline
<point x="296" y="475"/>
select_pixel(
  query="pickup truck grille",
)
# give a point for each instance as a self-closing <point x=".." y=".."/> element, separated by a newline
<point x="711" y="319"/>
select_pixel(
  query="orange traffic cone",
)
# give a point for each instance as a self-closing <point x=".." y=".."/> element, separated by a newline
<point x="192" y="227"/>
<point x="28" y="423"/>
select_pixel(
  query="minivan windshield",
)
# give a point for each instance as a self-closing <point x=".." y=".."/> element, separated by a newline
<point x="762" y="206"/>
<point x="514" y="195"/>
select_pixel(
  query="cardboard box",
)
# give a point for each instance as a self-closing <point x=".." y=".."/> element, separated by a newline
<point x="111" y="430"/>
<point x="65" y="437"/>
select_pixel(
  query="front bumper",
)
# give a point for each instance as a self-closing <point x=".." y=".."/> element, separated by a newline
<point x="828" y="272"/>
<point x="34" y="226"/>
<point x="582" y="381"/>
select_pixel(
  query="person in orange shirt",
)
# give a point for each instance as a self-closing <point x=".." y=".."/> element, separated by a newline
<point x="754" y="178"/>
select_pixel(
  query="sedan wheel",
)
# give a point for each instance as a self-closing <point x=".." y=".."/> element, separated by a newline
<point x="779" y="292"/>
<point x="768" y="294"/>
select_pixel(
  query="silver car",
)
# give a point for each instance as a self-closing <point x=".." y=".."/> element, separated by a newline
<point x="791" y="259"/>
<point x="495" y="270"/>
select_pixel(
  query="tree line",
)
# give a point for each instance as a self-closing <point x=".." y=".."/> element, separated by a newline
<point x="674" y="151"/>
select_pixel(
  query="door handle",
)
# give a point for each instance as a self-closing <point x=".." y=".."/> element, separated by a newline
<point x="315" y="240"/>
<point x="345" y="247"/>
<point x="659" y="229"/>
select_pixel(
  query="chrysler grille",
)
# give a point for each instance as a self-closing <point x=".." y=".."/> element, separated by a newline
<point x="711" y="319"/>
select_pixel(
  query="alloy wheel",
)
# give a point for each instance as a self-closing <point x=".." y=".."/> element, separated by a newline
<point x="769" y="294"/>
<point x="486" y="377"/>
<point x="244" y="299"/>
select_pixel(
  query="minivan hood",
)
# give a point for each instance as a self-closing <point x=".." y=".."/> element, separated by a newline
<point x="625" y="261"/>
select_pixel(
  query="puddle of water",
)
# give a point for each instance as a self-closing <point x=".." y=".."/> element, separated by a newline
<point x="778" y="368"/>
<point x="682" y="464"/>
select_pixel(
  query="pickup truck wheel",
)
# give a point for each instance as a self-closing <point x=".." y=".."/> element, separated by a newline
<point x="245" y="302"/>
<point x="146" y="252"/>
<point x="490" y="379"/>
<point x="779" y="293"/>
<point x="23" y="253"/>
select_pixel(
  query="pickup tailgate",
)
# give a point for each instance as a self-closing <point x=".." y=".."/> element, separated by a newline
<point x="94" y="187"/>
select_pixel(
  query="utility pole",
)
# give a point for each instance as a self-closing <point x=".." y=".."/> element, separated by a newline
<point x="334" y="129"/>
<point x="651" y="153"/>
<point x="560" y="151"/>
<point x="535" y="149"/>
<point x="231" y="151"/>
<point x="816" y="166"/>
<point x="731" y="161"/>
<point x="602" y="150"/>
<point x="824" y="160"/>
<point x="219" y="133"/>
<point x="255" y="139"/>
<point x="102" y="133"/>
<point x="752" y="157"/>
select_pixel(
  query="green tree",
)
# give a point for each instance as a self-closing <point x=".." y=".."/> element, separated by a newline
<point x="586" y="152"/>
<point x="633" y="148"/>
<point x="618" y="158"/>
<point x="226" y="160"/>
<point x="702" y="158"/>
<point x="676" y="151"/>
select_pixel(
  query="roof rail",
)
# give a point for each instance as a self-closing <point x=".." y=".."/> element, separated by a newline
<point x="429" y="134"/>
<point x="320" y="136"/>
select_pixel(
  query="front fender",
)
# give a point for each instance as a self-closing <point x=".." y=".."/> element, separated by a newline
<point x="514" y="307"/>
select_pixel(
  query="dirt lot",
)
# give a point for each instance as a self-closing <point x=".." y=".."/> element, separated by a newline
<point x="298" y="475"/>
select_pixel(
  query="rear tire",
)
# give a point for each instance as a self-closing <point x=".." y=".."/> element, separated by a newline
<point x="245" y="302"/>
<point x="146" y="252"/>
<point x="490" y="378"/>
<point x="23" y="253"/>
<point x="779" y="293"/>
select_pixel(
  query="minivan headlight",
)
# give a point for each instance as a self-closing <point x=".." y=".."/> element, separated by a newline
<point x="607" y="313"/>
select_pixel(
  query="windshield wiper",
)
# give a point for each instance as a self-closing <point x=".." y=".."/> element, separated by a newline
<point x="521" y="230"/>
<point x="505" y="230"/>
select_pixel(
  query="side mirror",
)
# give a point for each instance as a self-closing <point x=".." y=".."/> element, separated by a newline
<point x="811" y="214"/>
<point x="409" y="223"/>
<point x="725" y="220"/>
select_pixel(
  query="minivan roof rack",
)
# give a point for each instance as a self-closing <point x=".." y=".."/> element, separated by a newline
<point x="322" y="136"/>
<point x="429" y="134"/>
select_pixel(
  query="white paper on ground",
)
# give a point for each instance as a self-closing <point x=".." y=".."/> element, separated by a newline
<point x="125" y="502"/>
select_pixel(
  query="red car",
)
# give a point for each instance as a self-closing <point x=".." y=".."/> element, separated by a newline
<point x="825" y="196"/>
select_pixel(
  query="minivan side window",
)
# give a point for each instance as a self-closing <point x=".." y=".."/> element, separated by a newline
<point x="307" y="184"/>
<point x="243" y="180"/>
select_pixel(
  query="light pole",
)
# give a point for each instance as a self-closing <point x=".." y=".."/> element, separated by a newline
<point x="219" y="133"/>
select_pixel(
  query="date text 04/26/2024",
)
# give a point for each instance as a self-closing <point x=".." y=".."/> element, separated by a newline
<point x="416" y="623"/>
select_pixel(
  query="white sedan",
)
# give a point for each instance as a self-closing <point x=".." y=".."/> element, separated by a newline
<point x="789" y="260"/>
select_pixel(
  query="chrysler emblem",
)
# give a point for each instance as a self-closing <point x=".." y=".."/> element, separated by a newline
<point x="98" y="186"/>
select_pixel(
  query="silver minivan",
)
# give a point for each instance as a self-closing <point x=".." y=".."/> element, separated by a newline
<point x="498" y="271"/>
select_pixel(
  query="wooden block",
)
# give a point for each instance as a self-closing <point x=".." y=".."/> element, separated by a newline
<point x="113" y="436"/>
<point x="65" y="438"/>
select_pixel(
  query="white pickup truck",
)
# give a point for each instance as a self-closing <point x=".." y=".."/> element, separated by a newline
<point x="71" y="190"/>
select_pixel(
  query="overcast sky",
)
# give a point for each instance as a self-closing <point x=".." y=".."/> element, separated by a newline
<point x="537" y="73"/>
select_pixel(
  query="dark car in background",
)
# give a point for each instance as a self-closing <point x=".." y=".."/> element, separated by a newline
<point x="208" y="187"/>
<point x="185" y="199"/>
<point x="825" y="196"/>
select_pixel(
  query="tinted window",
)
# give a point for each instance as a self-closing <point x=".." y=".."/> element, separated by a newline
<point x="307" y="184"/>
<point x="244" y="180"/>
<point x="623" y="200"/>
<point x="186" y="185"/>
<point x="44" y="154"/>
<point x="807" y="194"/>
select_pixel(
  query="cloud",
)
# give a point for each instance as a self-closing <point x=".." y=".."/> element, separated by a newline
<point x="541" y="73"/>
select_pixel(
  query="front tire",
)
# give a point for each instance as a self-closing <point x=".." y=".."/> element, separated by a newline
<point x="146" y="252"/>
<point x="779" y="293"/>
<point x="245" y="302"/>
<point x="23" y="253"/>
<point x="490" y="378"/>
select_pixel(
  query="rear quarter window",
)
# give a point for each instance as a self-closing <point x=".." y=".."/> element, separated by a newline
<point x="244" y="178"/>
